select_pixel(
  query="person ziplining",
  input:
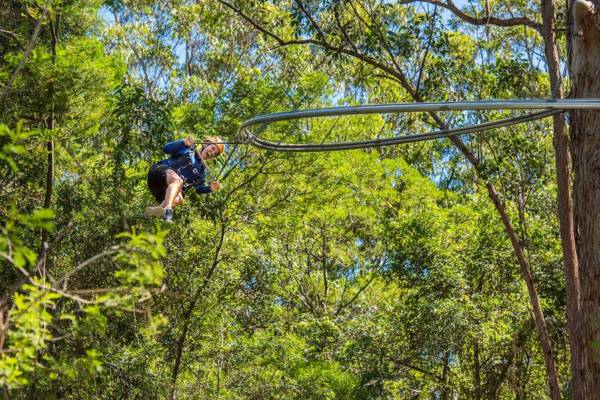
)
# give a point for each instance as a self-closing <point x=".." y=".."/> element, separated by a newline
<point x="169" y="179"/>
<point x="185" y="169"/>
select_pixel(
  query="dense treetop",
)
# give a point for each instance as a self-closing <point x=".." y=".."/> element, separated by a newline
<point x="373" y="274"/>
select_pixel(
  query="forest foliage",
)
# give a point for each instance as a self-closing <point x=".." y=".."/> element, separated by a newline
<point x="367" y="274"/>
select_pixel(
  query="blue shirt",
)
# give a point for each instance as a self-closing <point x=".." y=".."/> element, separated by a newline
<point x="187" y="164"/>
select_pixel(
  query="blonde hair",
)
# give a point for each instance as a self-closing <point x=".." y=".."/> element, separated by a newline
<point x="217" y="141"/>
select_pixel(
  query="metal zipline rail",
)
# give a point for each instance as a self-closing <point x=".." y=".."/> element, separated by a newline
<point x="550" y="107"/>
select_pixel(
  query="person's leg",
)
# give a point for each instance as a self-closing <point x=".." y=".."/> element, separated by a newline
<point x="157" y="183"/>
<point x="178" y="200"/>
<point x="166" y="187"/>
<point x="174" y="185"/>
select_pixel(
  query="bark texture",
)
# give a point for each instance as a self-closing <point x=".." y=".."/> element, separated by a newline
<point x="585" y="70"/>
<point x="565" y="202"/>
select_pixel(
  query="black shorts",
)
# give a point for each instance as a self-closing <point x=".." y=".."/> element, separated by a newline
<point x="157" y="180"/>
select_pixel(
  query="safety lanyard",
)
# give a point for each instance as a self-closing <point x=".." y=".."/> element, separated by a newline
<point x="210" y="175"/>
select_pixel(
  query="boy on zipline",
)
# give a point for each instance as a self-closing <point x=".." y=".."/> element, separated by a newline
<point x="184" y="169"/>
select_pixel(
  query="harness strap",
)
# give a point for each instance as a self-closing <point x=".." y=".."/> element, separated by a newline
<point x="184" y="162"/>
<point x="210" y="175"/>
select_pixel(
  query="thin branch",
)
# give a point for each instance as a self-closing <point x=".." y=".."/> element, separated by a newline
<point x="65" y="279"/>
<point x="256" y="25"/>
<point x="365" y="286"/>
<point x="21" y="280"/>
<point x="190" y="309"/>
<point x="342" y="28"/>
<point x="312" y="20"/>
<point x="28" y="51"/>
<point x="427" y="49"/>
<point x="9" y="35"/>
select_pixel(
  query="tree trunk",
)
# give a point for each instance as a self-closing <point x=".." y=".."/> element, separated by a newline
<point x="187" y="316"/>
<point x="585" y="130"/>
<point x="476" y="371"/>
<point x="445" y="395"/>
<point x="565" y="203"/>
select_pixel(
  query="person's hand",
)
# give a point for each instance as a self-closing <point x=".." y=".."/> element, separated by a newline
<point x="214" y="186"/>
<point x="188" y="141"/>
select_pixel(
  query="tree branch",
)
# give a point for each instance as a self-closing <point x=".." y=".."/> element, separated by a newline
<point x="28" y="51"/>
<point x="190" y="309"/>
<point x="65" y="279"/>
<point x="21" y="280"/>
<point x="366" y="285"/>
<point x="311" y="19"/>
<point x="488" y="20"/>
<point x="342" y="28"/>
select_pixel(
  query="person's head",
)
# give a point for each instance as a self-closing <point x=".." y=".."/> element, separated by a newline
<point x="212" y="147"/>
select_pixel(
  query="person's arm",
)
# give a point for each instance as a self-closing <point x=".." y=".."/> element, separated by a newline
<point x="204" y="188"/>
<point x="178" y="147"/>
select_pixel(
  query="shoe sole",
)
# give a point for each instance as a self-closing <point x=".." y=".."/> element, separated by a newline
<point x="154" y="211"/>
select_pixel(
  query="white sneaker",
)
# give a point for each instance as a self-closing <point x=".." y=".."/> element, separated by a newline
<point x="154" y="211"/>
